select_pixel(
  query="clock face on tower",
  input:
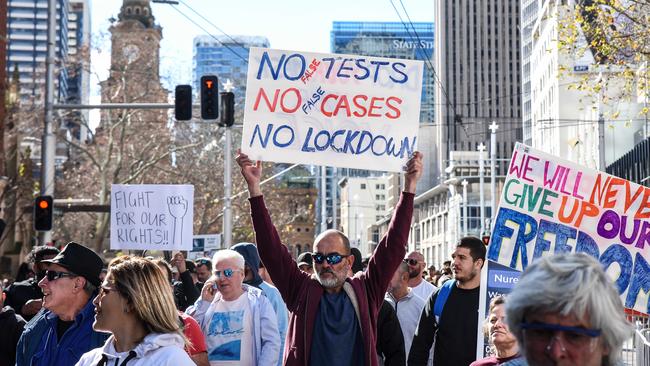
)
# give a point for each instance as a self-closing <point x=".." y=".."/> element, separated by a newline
<point x="131" y="52"/>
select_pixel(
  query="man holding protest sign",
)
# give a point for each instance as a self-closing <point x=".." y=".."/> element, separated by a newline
<point x="332" y="316"/>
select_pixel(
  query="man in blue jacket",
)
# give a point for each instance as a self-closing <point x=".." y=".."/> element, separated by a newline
<point x="63" y="332"/>
<point x="252" y="278"/>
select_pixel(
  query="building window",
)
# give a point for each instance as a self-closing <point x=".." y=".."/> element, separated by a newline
<point x="363" y="186"/>
<point x="380" y="197"/>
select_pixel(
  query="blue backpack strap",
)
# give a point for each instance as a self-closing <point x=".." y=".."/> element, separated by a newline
<point x="441" y="298"/>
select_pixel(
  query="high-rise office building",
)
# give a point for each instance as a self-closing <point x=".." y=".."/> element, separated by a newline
<point x="477" y="61"/>
<point x="27" y="46"/>
<point x="227" y="58"/>
<point x="78" y="70"/>
<point x="411" y="41"/>
<point x="394" y="40"/>
<point x="529" y="13"/>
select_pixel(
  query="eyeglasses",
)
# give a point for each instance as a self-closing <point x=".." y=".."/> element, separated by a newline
<point x="331" y="258"/>
<point x="543" y="334"/>
<point x="410" y="262"/>
<point x="202" y="262"/>
<point x="54" y="275"/>
<point x="228" y="272"/>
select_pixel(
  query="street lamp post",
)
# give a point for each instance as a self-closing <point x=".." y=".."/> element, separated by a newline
<point x="227" y="181"/>
<point x="493" y="171"/>
<point x="465" y="218"/>
<point x="481" y="168"/>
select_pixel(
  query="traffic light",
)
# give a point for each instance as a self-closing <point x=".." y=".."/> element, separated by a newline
<point x="183" y="103"/>
<point x="227" y="109"/>
<point x="486" y="239"/>
<point x="209" y="97"/>
<point x="43" y="213"/>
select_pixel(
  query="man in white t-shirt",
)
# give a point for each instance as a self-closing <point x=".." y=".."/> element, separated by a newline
<point x="238" y="321"/>
<point x="416" y="264"/>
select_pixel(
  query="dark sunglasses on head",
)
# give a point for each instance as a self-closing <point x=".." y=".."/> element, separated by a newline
<point x="331" y="258"/>
<point x="411" y="262"/>
<point x="54" y="275"/>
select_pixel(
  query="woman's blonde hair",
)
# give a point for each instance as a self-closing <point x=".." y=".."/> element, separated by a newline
<point x="145" y="287"/>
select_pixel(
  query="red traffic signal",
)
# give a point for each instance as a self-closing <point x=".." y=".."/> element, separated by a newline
<point x="43" y="212"/>
<point x="486" y="239"/>
<point x="209" y="97"/>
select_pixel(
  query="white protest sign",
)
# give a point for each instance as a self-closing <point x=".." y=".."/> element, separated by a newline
<point x="152" y="217"/>
<point x="331" y="109"/>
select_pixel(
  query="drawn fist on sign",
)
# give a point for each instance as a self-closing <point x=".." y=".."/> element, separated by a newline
<point x="177" y="209"/>
<point x="177" y="206"/>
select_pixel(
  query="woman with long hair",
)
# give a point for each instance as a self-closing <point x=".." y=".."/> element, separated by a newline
<point x="136" y="305"/>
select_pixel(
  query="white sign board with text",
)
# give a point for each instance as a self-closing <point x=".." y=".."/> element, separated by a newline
<point x="331" y="109"/>
<point x="152" y="217"/>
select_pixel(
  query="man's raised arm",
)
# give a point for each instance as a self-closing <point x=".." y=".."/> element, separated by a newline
<point x="275" y="256"/>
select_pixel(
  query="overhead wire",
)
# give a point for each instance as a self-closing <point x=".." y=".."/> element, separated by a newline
<point x="436" y="79"/>
<point x="210" y="34"/>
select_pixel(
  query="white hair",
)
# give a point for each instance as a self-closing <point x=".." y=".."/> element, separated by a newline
<point x="227" y="254"/>
<point x="571" y="285"/>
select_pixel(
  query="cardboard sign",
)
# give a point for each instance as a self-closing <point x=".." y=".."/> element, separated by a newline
<point x="152" y="217"/>
<point x="331" y="109"/>
<point x="550" y="205"/>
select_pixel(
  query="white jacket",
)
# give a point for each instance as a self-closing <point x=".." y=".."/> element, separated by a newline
<point x="158" y="349"/>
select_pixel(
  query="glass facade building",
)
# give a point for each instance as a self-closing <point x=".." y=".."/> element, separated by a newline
<point x="27" y="46"/>
<point x="227" y="58"/>
<point x="393" y="40"/>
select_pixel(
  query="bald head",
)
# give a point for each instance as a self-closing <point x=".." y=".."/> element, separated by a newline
<point x="415" y="255"/>
<point x="416" y="265"/>
<point x="333" y="239"/>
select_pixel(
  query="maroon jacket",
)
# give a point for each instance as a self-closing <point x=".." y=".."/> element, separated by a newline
<point x="302" y="293"/>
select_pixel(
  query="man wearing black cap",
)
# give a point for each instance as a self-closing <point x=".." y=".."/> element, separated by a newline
<point x="305" y="262"/>
<point x="64" y="332"/>
<point x="25" y="296"/>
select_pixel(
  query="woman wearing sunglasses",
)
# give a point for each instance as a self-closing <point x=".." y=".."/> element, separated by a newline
<point x="238" y="321"/>
<point x="136" y="305"/>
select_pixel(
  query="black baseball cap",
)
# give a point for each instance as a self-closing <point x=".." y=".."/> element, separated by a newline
<point x="305" y="259"/>
<point x="79" y="260"/>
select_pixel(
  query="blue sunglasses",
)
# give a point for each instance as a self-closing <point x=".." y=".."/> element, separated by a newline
<point x="331" y="258"/>
<point x="228" y="272"/>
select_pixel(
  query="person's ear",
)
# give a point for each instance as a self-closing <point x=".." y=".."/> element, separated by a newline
<point x="481" y="263"/>
<point x="405" y="276"/>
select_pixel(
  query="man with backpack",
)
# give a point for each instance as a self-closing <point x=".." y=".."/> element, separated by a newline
<point x="450" y="317"/>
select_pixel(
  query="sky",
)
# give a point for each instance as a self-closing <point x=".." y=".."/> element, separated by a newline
<point x="300" y="25"/>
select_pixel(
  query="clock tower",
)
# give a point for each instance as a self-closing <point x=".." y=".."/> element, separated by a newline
<point x="135" y="53"/>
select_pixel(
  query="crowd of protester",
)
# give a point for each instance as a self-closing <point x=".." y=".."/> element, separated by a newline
<point x="253" y="304"/>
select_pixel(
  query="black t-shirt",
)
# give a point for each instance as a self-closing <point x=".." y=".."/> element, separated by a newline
<point x="20" y="292"/>
<point x="455" y="337"/>
<point x="61" y="327"/>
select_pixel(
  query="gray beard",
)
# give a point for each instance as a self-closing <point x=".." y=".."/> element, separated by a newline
<point x="330" y="282"/>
